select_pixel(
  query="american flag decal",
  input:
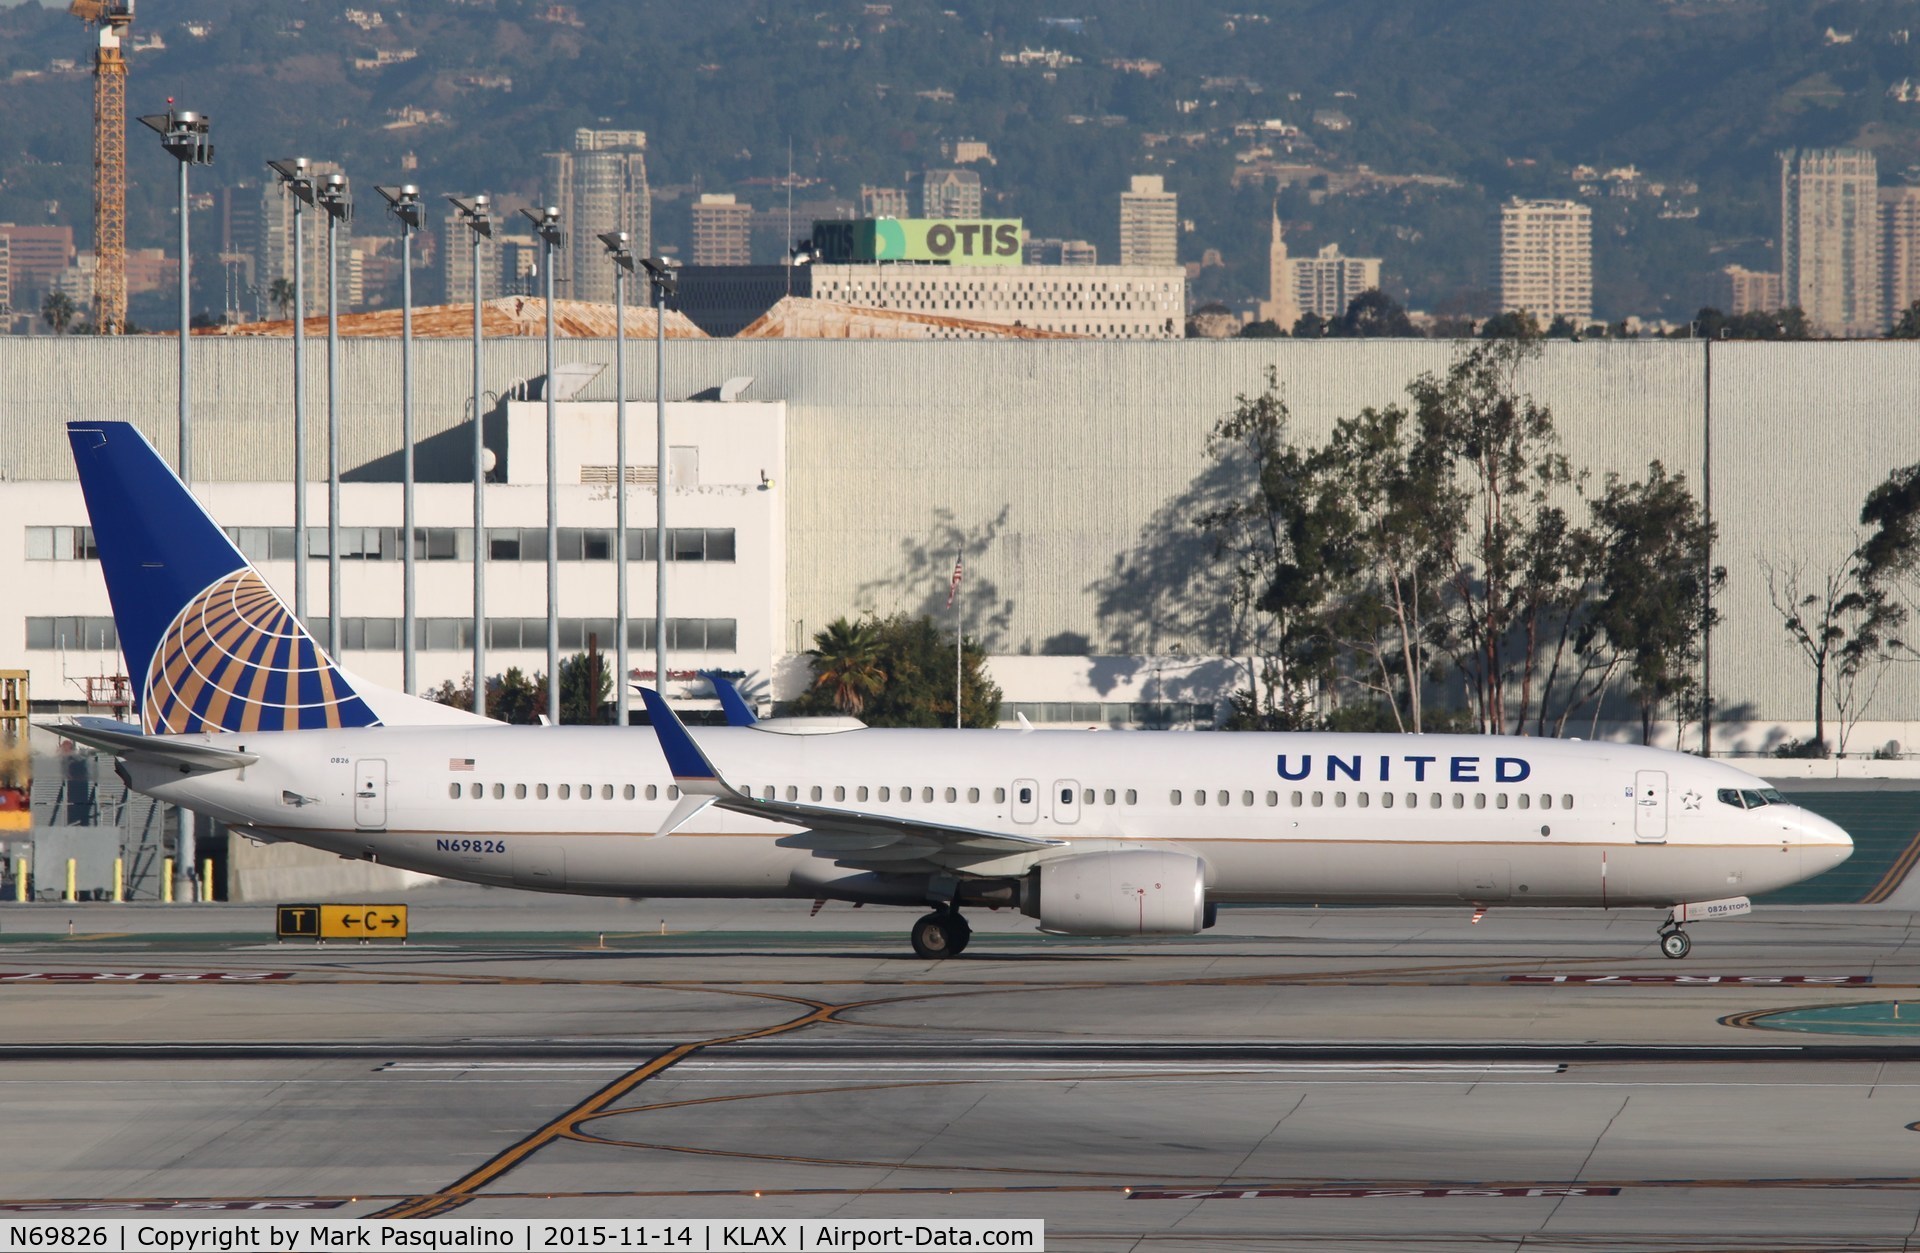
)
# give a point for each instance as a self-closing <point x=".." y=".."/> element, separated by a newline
<point x="460" y="763"/>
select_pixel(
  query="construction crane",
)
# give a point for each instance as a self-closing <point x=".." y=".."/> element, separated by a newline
<point x="109" y="158"/>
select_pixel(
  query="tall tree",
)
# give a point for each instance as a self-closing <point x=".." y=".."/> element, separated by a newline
<point x="1372" y="315"/>
<point x="1511" y="566"/>
<point x="57" y="311"/>
<point x="846" y="664"/>
<point x="281" y="293"/>
<point x="901" y="669"/>
<point x="1840" y="626"/>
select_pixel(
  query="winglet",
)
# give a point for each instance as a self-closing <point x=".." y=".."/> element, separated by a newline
<point x="689" y="766"/>
<point x="739" y="714"/>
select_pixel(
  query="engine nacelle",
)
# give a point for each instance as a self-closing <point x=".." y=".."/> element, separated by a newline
<point x="1125" y="892"/>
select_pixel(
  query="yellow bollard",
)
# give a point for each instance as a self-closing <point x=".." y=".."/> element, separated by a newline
<point x="206" y="879"/>
<point x="166" y="880"/>
<point x="119" y="880"/>
<point x="71" y="894"/>
<point x="20" y="868"/>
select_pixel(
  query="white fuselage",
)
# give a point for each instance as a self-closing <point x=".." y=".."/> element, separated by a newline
<point x="1274" y="817"/>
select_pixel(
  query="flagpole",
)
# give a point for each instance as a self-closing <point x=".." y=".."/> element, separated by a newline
<point x="954" y="596"/>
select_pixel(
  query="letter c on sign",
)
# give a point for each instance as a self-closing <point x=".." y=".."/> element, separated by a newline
<point x="940" y="240"/>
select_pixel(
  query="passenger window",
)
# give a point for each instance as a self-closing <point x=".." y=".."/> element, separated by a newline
<point x="1086" y="797"/>
<point x="815" y="792"/>
<point x="1199" y="796"/>
<point x="1319" y="799"/>
<point x="1107" y="796"/>
<point x="1273" y="799"/>
<point x="606" y="791"/>
<point x="1435" y="800"/>
<point x="653" y="792"/>
<point x="519" y="791"/>
<point x="1339" y="800"/>
<point x="1413" y="800"/>
<point x="793" y="793"/>
<point x="1459" y="800"/>
<point x="973" y="796"/>
<point x="1526" y="800"/>
<point x="860" y="793"/>
<point x="1362" y="799"/>
<point x="1294" y="799"/>
<point x="1566" y="800"/>
<point x="626" y="793"/>
<point x="499" y="791"/>
<point x="999" y="796"/>
<point x="1173" y="797"/>
<point x="540" y="792"/>
<point x="673" y="791"/>
<point x="453" y="791"/>
<point x="473" y="791"/>
<point x="839" y="793"/>
<point x="1500" y="801"/>
<point x="926" y="795"/>
<point x="1133" y="797"/>
<point x="586" y="791"/>
<point x="1546" y="800"/>
<point x="1225" y="798"/>
<point x="1479" y="800"/>
<point x="1026" y="795"/>
<point x="1386" y="800"/>
<point x="766" y="793"/>
<point x="1246" y="798"/>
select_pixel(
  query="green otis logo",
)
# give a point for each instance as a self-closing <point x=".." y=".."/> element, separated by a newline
<point x="889" y="240"/>
<point x="972" y="239"/>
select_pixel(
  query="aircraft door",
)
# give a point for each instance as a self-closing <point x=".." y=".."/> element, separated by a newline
<point x="370" y="793"/>
<point x="1026" y="800"/>
<point x="1066" y="800"/>
<point x="1650" y="806"/>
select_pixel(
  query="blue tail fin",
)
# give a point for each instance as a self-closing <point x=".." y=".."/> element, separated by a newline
<point x="739" y="713"/>
<point x="209" y="645"/>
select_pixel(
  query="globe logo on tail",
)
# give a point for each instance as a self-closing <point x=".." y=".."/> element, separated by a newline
<point x="235" y="659"/>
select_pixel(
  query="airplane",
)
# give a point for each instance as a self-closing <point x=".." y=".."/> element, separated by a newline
<point x="245" y="718"/>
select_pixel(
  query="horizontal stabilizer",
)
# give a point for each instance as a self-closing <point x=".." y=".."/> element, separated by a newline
<point x="128" y="742"/>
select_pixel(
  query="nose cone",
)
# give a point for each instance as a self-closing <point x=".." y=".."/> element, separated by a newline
<point x="1823" y="844"/>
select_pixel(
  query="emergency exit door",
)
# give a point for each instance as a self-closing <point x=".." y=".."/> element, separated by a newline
<point x="370" y="793"/>
<point x="1650" y="806"/>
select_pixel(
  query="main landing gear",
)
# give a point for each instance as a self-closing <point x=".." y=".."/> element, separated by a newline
<point x="942" y="933"/>
<point x="1673" y="941"/>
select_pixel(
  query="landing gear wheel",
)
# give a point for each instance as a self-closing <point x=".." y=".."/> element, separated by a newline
<point x="1675" y="943"/>
<point x="940" y="935"/>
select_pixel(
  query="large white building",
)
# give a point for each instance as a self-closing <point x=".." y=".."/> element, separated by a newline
<point x="1546" y="259"/>
<point x="1107" y="301"/>
<point x="1149" y="222"/>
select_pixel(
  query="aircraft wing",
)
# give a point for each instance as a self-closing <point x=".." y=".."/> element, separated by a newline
<point x="848" y="835"/>
<point x="127" y="741"/>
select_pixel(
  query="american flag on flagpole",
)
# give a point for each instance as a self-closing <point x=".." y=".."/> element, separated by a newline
<point x="953" y="587"/>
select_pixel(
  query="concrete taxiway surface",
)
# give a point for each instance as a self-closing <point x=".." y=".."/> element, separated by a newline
<point x="1296" y="1078"/>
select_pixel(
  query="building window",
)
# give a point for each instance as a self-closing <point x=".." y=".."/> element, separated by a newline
<point x="80" y="635"/>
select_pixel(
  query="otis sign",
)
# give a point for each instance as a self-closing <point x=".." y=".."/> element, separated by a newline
<point x="957" y="241"/>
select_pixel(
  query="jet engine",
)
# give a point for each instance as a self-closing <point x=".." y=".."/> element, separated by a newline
<point x="1126" y="892"/>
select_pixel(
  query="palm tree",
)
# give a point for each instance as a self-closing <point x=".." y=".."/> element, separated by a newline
<point x="280" y="292"/>
<point x="846" y="663"/>
<point x="58" y="311"/>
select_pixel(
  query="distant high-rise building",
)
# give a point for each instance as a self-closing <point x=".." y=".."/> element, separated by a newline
<point x="599" y="185"/>
<point x="1323" y="284"/>
<point x="40" y="254"/>
<point x="722" y="231"/>
<point x="1149" y="223"/>
<point x="6" y="280"/>
<point x="1899" y="250"/>
<point x="276" y="244"/>
<point x="1830" y="239"/>
<point x="950" y="194"/>
<point x="456" y="262"/>
<point x="884" y="202"/>
<point x="1546" y="259"/>
<point x="1750" y="291"/>
<point x="1060" y="252"/>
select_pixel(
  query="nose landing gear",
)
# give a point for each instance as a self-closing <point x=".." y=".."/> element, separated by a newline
<point x="942" y="933"/>
<point x="1674" y="942"/>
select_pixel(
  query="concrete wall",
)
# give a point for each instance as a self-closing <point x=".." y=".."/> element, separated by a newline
<point x="1068" y="471"/>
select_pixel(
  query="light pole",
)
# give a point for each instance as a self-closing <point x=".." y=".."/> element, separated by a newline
<point x="547" y="224"/>
<point x="186" y="137"/>
<point x="473" y="214"/>
<point x="622" y="255"/>
<point x="660" y="276"/>
<point x="295" y="177"/>
<point x="404" y="203"/>
<point x="337" y="200"/>
<point x="184" y="134"/>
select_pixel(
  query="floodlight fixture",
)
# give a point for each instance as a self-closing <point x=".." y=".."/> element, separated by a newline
<point x="404" y="203"/>
<point x="546" y="224"/>
<point x="336" y="197"/>
<point x="617" y="248"/>
<point x="473" y="212"/>
<point x="186" y="135"/>
<point x="295" y="176"/>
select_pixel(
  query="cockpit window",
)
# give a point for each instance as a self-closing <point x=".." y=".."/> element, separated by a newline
<point x="1773" y="796"/>
<point x="1754" y="799"/>
<point x="1750" y="798"/>
<point x="1731" y="796"/>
